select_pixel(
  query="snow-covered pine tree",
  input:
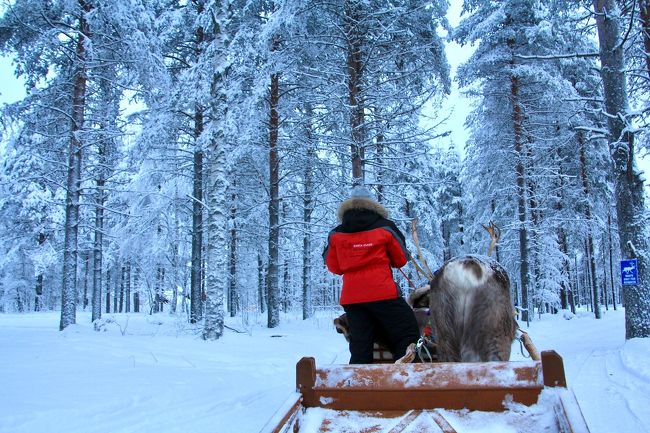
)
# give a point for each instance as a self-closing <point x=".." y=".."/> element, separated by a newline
<point x="118" y="35"/>
<point x="448" y="203"/>
<point x="367" y="119"/>
<point x="52" y="33"/>
<point x="636" y="21"/>
<point x="629" y="183"/>
<point x="525" y="96"/>
<point x="500" y="29"/>
<point x="106" y="136"/>
<point x="29" y="224"/>
<point x="393" y="61"/>
<point x="225" y="28"/>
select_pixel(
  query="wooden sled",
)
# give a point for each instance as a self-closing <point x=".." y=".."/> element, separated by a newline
<point x="429" y="397"/>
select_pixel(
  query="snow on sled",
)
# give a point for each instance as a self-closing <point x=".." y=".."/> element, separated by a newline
<point x="515" y="396"/>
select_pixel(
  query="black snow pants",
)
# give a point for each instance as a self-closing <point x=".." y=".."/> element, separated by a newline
<point x="391" y="318"/>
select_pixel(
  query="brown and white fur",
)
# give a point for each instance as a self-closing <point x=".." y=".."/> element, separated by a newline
<point x="473" y="316"/>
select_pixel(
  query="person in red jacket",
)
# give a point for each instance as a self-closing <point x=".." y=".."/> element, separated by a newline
<point x="364" y="248"/>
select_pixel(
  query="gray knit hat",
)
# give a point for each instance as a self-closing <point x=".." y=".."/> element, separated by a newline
<point x="361" y="198"/>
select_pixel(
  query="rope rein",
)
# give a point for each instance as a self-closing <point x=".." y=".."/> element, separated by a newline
<point x="408" y="279"/>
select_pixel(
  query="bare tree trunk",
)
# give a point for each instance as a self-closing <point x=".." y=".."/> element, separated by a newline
<point x="38" y="302"/>
<point x="352" y="15"/>
<point x="272" y="278"/>
<point x="196" y="304"/>
<point x="196" y="271"/>
<point x="160" y="290"/>
<point x="260" y="284"/>
<point x="589" y="289"/>
<point x="122" y="288"/>
<point x="590" y="223"/>
<point x="493" y="208"/>
<point x="630" y="197"/>
<point x="127" y="286"/>
<point x="571" y="293"/>
<point x="575" y="290"/>
<point x="233" y="300"/>
<point x="216" y="274"/>
<point x="22" y="304"/>
<point x="379" y="155"/>
<point x="118" y="277"/>
<point x="108" y="291"/>
<point x="98" y="248"/>
<point x="521" y="197"/>
<point x="565" y="286"/>
<point x="136" y="289"/>
<point x="286" y="287"/>
<point x="85" y="284"/>
<point x="605" y="298"/>
<point x="308" y="208"/>
<point x="73" y="183"/>
<point x="611" y="258"/>
<point x="175" y="268"/>
<point x="380" y="167"/>
<point x="534" y="237"/>
<point x="178" y="271"/>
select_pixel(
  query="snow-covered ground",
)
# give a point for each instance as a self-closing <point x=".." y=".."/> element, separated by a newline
<point x="146" y="373"/>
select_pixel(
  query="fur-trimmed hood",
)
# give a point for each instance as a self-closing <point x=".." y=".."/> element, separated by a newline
<point x="360" y="203"/>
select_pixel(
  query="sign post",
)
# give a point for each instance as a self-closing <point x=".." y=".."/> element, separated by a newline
<point x="629" y="272"/>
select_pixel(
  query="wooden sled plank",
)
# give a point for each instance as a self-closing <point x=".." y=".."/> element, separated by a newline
<point x="345" y="421"/>
<point x="414" y="421"/>
<point x="475" y="386"/>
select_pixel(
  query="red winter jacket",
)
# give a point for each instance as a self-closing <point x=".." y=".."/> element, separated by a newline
<point x="363" y="249"/>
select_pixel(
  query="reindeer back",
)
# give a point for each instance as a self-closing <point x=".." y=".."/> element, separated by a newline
<point x="472" y="311"/>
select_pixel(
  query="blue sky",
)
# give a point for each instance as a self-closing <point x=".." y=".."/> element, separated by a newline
<point x="11" y="88"/>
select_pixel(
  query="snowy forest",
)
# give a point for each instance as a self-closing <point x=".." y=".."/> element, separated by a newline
<point x="188" y="156"/>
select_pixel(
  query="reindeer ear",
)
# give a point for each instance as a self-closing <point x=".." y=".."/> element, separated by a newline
<point x="419" y="298"/>
<point x="341" y="324"/>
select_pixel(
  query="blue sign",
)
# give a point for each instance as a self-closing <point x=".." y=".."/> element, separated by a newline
<point x="629" y="272"/>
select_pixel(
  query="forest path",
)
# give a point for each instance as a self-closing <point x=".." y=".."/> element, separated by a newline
<point x="612" y="391"/>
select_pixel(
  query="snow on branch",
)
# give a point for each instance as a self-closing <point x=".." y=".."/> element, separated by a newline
<point x="557" y="56"/>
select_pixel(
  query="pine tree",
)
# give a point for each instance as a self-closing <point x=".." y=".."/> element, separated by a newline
<point x="518" y="71"/>
<point x="630" y="197"/>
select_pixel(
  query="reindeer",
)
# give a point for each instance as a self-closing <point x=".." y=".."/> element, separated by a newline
<point x="469" y="302"/>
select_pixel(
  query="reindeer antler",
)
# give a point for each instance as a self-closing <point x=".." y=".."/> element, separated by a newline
<point x="428" y="274"/>
<point x="495" y="235"/>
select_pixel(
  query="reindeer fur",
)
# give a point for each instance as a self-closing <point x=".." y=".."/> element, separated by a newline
<point x="470" y="305"/>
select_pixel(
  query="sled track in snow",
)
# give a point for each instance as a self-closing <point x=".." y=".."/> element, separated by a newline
<point x="615" y="410"/>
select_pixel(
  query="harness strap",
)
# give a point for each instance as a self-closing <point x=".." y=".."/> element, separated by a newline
<point x="408" y="279"/>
